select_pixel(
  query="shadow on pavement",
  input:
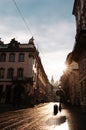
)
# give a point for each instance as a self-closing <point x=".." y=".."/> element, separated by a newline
<point x="56" y="120"/>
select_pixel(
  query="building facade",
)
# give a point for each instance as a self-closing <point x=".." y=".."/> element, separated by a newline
<point x="79" y="51"/>
<point x="22" y="76"/>
<point x="70" y="81"/>
<point x="73" y="77"/>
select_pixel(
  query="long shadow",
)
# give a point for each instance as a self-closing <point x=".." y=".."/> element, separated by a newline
<point x="56" y="120"/>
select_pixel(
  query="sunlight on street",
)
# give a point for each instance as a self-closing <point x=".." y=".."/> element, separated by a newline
<point x="42" y="117"/>
<point x="54" y="122"/>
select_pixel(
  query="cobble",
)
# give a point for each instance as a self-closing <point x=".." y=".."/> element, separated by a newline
<point x="41" y="117"/>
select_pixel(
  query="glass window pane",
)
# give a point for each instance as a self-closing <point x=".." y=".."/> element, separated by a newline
<point x="3" y="57"/>
<point x="21" y="57"/>
<point x="10" y="73"/>
<point x="12" y="57"/>
<point x="1" y="73"/>
<point x="20" y="73"/>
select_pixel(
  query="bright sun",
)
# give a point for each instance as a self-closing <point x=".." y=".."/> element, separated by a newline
<point x="60" y="68"/>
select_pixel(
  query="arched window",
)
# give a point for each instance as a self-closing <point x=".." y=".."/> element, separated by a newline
<point x="1" y="73"/>
<point x="20" y="73"/>
<point x="21" y="57"/>
<point x="3" y="57"/>
<point x="12" y="57"/>
<point x="10" y="73"/>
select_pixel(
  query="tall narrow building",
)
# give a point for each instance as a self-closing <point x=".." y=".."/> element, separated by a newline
<point x="79" y="51"/>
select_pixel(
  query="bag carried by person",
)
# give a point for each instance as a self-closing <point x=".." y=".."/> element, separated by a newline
<point x="60" y="108"/>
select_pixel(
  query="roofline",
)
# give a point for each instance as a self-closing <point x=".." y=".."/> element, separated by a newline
<point x="74" y="7"/>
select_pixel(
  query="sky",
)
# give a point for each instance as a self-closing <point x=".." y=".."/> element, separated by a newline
<point x="50" y="22"/>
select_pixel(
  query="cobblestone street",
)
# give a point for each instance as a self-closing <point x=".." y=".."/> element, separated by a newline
<point x="41" y="117"/>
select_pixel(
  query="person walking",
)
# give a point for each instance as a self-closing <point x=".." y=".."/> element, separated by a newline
<point x="55" y="109"/>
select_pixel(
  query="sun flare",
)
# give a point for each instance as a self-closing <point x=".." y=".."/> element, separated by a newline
<point x="61" y="68"/>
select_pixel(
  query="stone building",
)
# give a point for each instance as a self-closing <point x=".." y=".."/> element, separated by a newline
<point x="70" y="81"/>
<point x="73" y="76"/>
<point x="79" y="51"/>
<point x="22" y="76"/>
<point x="50" y="92"/>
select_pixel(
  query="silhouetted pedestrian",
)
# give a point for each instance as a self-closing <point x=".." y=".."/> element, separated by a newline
<point x="55" y="109"/>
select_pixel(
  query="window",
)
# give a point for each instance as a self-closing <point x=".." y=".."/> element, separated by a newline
<point x="1" y="73"/>
<point x="20" y="73"/>
<point x="3" y="57"/>
<point x="21" y="57"/>
<point x="10" y="73"/>
<point x="12" y="57"/>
